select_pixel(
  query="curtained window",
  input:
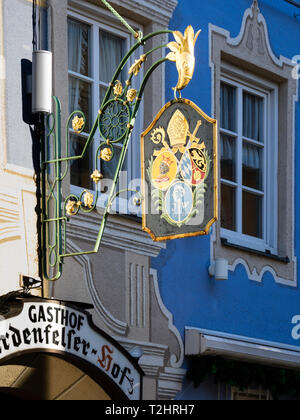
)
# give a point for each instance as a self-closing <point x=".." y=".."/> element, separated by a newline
<point x="228" y="107"/>
<point x="111" y="52"/>
<point x="80" y="97"/>
<point x="242" y="141"/>
<point x="92" y="64"/>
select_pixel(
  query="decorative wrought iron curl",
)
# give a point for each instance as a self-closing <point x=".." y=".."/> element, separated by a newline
<point x="127" y="101"/>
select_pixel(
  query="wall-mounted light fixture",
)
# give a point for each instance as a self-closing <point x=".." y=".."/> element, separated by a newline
<point x="219" y="269"/>
<point x="136" y="352"/>
<point x="42" y="82"/>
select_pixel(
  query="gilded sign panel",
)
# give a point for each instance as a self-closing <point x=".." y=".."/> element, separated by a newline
<point x="179" y="172"/>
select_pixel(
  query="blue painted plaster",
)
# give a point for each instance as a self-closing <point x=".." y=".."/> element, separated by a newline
<point x="238" y="306"/>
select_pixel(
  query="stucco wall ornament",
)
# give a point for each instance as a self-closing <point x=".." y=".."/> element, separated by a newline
<point x="255" y="33"/>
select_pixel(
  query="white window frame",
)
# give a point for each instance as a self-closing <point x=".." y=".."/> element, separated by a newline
<point x="121" y="205"/>
<point x="269" y="91"/>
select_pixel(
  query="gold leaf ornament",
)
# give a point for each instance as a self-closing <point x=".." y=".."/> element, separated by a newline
<point x="158" y="135"/>
<point x="136" y="67"/>
<point x="71" y="207"/>
<point x="131" y="95"/>
<point x="118" y="88"/>
<point x="183" y="53"/>
<point x="88" y="199"/>
<point x="77" y="123"/>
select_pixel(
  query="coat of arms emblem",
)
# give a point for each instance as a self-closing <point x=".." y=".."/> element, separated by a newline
<point x="179" y="172"/>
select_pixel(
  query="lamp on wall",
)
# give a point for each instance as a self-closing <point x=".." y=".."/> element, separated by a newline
<point x="42" y="82"/>
<point x="136" y="352"/>
<point x="219" y="269"/>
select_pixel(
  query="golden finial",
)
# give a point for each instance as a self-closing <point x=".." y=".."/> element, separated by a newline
<point x="183" y="53"/>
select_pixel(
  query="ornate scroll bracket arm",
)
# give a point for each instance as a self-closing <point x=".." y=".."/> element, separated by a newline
<point x="114" y="124"/>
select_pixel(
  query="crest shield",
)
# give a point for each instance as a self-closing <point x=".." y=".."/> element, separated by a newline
<point x="179" y="172"/>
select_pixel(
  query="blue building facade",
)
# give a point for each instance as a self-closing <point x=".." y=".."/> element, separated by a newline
<point x="248" y="51"/>
<point x="206" y="317"/>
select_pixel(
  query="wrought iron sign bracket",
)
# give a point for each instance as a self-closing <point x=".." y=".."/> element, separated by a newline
<point x="115" y="122"/>
<point x="120" y="103"/>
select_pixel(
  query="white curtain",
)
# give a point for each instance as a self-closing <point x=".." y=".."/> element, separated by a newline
<point x="228" y="107"/>
<point x="252" y="128"/>
<point x="76" y="44"/>
<point x="78" y="56"/>
<point x="253" y="117"/>
<point x="79" y="94"/>
<point x="111" y="54"/>
<point x="251" y="156"/>
<point x="227" y="148"/>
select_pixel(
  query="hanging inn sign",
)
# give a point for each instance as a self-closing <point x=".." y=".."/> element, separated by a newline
<point x="179" y="172"/>
<point x="179" y="158"/>
<point x="178" y="153"/>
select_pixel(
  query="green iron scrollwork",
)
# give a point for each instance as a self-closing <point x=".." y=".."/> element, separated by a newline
<point x="115" y="122"/>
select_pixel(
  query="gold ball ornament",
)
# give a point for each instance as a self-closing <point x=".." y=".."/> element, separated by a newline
<point x="131" y="95"/>
<point x="77" y="123"/>
<point x="96" y="176"/>
<point x="106" y="154"/>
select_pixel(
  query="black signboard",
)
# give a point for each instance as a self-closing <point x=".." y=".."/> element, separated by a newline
<point x="179" y="172"/>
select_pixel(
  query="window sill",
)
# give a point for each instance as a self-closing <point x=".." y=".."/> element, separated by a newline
<point x="266" y="254"/>
<point x="121" y="231"/>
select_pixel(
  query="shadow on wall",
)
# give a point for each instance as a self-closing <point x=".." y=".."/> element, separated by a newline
<point x="45" y="377"/>
<point x="34" y="123"/>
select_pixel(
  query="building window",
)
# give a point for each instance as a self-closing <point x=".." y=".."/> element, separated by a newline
<point x="246" y="71"/>
<point x="81" y="84"/>
<point x="94" y="53"/>
<point x="248" y="153"/>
